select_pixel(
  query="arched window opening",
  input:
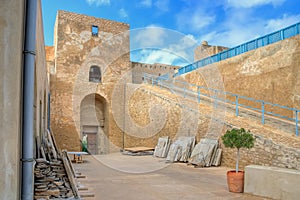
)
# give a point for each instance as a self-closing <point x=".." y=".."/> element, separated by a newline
<point x="95" y="74"/>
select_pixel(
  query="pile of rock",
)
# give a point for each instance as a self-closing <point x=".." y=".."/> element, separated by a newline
<point x="54" y="176"/>
<point x="51" y="180"/>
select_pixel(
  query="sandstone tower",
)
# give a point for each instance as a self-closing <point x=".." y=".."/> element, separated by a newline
<point x="205" y="50"/>
<point x="89" y="57"/>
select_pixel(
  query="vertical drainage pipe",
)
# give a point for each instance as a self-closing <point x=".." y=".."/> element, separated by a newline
<point x="28" y="100"/>
<point x="48" y="111"/>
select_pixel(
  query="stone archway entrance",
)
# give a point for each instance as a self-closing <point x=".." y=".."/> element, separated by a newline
<point x="94" y="123"/>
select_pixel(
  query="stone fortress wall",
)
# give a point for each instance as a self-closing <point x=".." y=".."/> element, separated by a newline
<point x="76" y="50"/>
<point x="75" y="100"/>
<point x="156" y="69"/>
<point x="204" y="50"/>
<point x="269" y="73"/>
<point x="124" y="113"/>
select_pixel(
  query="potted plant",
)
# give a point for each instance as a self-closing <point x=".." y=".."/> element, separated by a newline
<point x="237" y="138"/>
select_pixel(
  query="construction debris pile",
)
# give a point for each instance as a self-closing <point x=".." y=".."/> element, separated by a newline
<point x="205" y="154"/>
<point x="51" y="178"/>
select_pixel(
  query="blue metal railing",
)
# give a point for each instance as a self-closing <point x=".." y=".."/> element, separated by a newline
<point x="262" y="106"/>
<point x="248" y="46"/>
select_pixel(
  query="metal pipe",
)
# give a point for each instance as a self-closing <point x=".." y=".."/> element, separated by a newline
<point x="48" y="111"/>
<point x="28" y="100"/>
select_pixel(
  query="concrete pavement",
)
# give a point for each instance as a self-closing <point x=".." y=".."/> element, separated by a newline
<point x="122" y="177"/>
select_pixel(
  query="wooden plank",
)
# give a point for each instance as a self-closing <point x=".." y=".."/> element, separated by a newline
<point x="43" y="153"/>
<point x="52" y="147"/>
<point x="38" y="145"/>
<point x="83" y="188"/>
<point x="70" y="177"/>
<point x="87" y="194"/>
<point x="69" y="162"/>
<point x="139" y="149"/>
<point x="54" y="143"/>
<point x="80" y="176"/>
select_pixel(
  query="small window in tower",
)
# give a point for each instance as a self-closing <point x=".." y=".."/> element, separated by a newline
<point x="95" y="74"/>
<point x="95" y="31"/>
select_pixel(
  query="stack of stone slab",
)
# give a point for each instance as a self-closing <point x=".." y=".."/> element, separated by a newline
<point x="162" y="148"/>
<point x="181" y="149"/>
<point x="53" y="173"/>
<point x="206" y="153"/>
<point x="51" y="180"/>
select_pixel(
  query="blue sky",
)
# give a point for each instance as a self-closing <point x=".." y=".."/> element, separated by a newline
<point x="220" y="22"/>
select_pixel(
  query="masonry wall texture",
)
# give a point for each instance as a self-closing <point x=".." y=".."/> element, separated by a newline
<point x="76" y="51"/>
<point x="270" y="73"/>
<point x="119" y="112"/>
<point x="273" y="147"/>
<point x="138" y="69"/>
<point x="205" y="50"/>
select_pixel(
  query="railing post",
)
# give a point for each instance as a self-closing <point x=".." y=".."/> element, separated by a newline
<point x="199" y="92"/>
<point x="263" y="112"/>
<point x="256" y="44"/>
<point x="236" y="105"/>
<point x="296" y="120"/>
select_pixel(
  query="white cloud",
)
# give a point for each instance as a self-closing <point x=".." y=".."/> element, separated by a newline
<point x="151" y="36"/>
<point x="159" y="56"/>
<point x="236" y="33"/>
<point x="159" y="45"/>
<point x="162" y="56"/>
<point x="162" y="5"/>
<point x="184" y="47"/>
<point x="194" y="19"/>
<point x="279" y="23"/>
<point x="98" y="2"/>
<point x="253" y="3"/>
<point x="123" y="13"/>
<point x="146" y="3"/>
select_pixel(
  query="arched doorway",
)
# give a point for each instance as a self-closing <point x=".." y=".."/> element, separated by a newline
<point x="94" y="123"/>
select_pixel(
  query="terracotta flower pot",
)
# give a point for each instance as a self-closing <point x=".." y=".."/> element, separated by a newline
<point x="235" y="181"/>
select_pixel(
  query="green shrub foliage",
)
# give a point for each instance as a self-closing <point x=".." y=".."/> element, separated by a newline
<point x="238" y="138"/>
